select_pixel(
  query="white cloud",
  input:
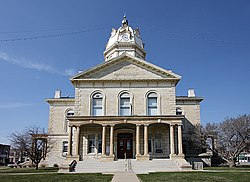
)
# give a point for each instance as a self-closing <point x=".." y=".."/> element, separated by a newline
<point x="14" y="105"/>
<point x="4" y="56"/>
<point x="70" y="72"/>
<point x="32" y="65"/>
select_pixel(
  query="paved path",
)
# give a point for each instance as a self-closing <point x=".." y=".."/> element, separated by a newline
<point x="125" y="177"/>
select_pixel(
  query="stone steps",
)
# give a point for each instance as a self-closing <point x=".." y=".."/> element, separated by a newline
<point x="139" y="167"/>
<point x="96" y="166"/>
<point x="156" y="165"/>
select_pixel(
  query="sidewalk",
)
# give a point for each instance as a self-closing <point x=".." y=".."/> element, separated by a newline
<point x="125" y="177"/>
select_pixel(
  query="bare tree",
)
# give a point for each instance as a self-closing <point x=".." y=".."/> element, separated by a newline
<point x="229" y="138"/>
<point x="33" y="141"/>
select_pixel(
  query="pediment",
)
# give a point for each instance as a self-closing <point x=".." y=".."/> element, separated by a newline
<point x="126" y="68"/>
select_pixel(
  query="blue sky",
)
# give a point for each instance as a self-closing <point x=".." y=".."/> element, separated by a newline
<point x="206" y="42"/>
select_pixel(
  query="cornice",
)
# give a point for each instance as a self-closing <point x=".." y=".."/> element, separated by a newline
<point x="126" y="44"/>
<point x="52" y="100"/>
<point x="113" y="120"/>
<point x="122" y="118"/>
<point x="185" y="98"/>
<point x="64" y="134"/>
<point x="128" y="80"/>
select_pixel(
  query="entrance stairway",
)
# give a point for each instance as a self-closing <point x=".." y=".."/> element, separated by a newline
<point x="139" y="167"/>
<point x="156" y="165"/>
<point x="97" y="166"/>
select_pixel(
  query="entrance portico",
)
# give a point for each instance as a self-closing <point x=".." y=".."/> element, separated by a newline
<point x="139" y="137"/>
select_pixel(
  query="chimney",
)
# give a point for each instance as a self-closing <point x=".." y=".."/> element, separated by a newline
<point x="57" y="94"/>
<point x="191" y="93"/>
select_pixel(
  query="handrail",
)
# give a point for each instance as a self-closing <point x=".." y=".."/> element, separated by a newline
<point x="72" y="166"/>
<point x="128" y="165"/>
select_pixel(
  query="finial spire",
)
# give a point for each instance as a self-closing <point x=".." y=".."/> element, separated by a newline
<point x="124" y="21"/>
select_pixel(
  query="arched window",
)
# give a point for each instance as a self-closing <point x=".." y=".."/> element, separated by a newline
<point x="125" y="105"/>
<point x="178" y="111"/>
<point x="97" y="107"/>
<point x="152" y="104"/>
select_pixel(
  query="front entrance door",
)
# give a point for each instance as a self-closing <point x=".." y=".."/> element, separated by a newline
<point x="125" y="145"/>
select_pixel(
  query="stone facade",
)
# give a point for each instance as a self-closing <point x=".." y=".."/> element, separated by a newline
<point x="125" y="107"/>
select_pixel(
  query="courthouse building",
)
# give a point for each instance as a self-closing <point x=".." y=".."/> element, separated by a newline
<point x="124" y="108"/>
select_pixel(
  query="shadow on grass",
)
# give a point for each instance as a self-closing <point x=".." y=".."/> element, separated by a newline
<point x="28" y="170"/>
<point x="245" y="168"/>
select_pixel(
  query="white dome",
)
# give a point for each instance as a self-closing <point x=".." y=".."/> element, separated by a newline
<point x="124" y="39"/>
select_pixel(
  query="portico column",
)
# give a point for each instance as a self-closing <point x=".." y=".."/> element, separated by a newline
<point x="103" y="140"/>
<point x="172" y="152"/>
<point x="145" y="139"/>
<point x="77" y="139"/>
<point x="180" y="152"/>
<point x="70" y="141"/>
<point x="138" y="139"/>
<point x="111" y="140"/>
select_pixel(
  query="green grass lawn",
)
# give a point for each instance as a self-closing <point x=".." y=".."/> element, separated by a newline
<point x="18" y="175"/>
<point x="196" y="176"/>
<point x="55" y="178"/>
<point x="222" y="174"/>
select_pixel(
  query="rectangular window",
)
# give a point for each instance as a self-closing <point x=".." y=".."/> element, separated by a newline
<point x="91" y="143"/>
<point x="152" y="106"/>
<point x="97" y="107"/>
<point x="158" y="143"/>
<point x="125" y="107"/>
<point x="65" y="148"/>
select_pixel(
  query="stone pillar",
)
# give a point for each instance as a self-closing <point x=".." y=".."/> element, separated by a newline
<point x="180" y="152"/>
<point x="70" y="141"/>
<point x="138" y="140"/>
<point x="77" y="139"/>
<point x="172" y="152"/>
<point x="111" y="140"/>
<point x="145" y="139"/>
<point x="103" y="140"/>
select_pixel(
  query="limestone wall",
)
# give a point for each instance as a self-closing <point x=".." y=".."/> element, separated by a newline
<point x="138" y="92"/>
<point x="57" y="117"/>
<point x="191" y="110"/>
<point x="55" y="156"/>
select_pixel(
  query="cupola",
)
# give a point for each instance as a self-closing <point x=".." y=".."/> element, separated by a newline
<point x="124" y="39"/>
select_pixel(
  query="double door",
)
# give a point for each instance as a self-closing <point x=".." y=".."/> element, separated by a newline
<point x="125" y="146"/>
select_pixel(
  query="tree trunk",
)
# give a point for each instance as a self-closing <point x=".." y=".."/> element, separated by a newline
<point x="37" y="166"/>
<point x="231" y="163"/>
